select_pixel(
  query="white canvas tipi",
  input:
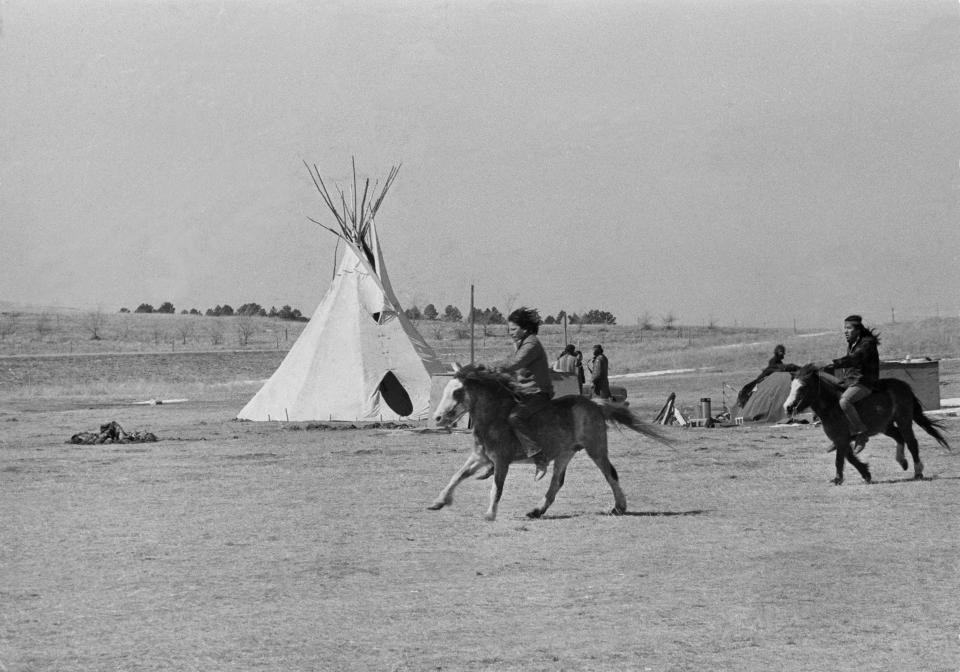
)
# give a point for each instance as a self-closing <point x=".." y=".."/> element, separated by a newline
<point x="359" y="358"/>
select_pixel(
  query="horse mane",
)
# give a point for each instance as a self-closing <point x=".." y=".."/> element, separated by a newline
<point x="808" y="371"/>
<point x="491" y="379"/>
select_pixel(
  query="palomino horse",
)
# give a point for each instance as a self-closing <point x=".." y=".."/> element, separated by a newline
<point x="890" y="410"/>
<point x="573" y="423"/>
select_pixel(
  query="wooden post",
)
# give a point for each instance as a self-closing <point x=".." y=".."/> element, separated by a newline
<point x="565" y="341"/>
<point x="472" y="321"/>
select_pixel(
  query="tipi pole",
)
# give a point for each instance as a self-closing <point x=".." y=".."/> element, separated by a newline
<point x="473" y="319"/>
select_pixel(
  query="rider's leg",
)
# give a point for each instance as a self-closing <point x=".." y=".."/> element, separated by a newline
<point x="848" y="399"/>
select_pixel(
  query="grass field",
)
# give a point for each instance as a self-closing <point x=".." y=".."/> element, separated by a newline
<point x="258" y="546"/>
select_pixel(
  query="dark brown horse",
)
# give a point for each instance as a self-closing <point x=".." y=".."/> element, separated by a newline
<point x="573" y="423"/>
<point x="891" y="410"/>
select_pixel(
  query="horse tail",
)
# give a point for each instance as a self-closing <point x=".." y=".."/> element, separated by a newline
<point x="622" y="416"/>
<point x="932" y="427"/>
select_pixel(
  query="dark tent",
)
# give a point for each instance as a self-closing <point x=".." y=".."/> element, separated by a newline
<point x="765" y="401"/>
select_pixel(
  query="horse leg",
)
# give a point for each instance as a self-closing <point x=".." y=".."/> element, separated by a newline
<point x="613" y="480"/>
<point x="862" y="467"/>
<point x="841" y="448"/>
<point x="500" y="467"/>
<point x="894" y="433"/>
<point x="597" y="450"/>
<point x="556" y="482"/>
<point x="445" y="498"/>
<point x="914" y="447"/>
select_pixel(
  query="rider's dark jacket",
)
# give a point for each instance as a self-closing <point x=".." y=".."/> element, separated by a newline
<point x="861" y="363"/>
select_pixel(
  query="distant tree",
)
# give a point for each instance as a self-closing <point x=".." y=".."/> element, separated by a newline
<point x="246" y="327"/>
<point x="596" y="316"/>
<point x="44" y="325"/>
<point x="550" y="319"/>
<point x="8" y="324"/>
<point x="124" y="310"/>
<point x="452" y="314"/>
<point x="288" y="313"/>
<point x="93" y="322"/>
<point x="273" y="312"/>
<point x="413" y="313"/>
<point x="646" y="321"/>
<point x="144" y="308"/>
<point x="166" y="308"/>
<point x="668" y="320"/>
<point x="215" y="332"/>
<point x="185" y="329"/>
<point x="430" y="312"/>
<point x="194" y="311"/>
<point x="494" y="316"/>
<point x="573" y="319"/>
<point x="560" y="316"/>
<point x="226" y="310"/>
<point x="251" y="309"/>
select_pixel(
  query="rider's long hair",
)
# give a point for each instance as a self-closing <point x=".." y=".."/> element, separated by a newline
<point x="863" y="329"/>
<point x="527" y="319"/>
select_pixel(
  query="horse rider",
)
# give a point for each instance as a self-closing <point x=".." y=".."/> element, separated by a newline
<point x="861" y="374"/>
<point x="531" y="366"/>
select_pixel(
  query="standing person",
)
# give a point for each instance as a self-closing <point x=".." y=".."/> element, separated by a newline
<point x="567" y="361"/>
<point x="581" y="377"/>
<point x="599" y="373"/>
<point x="774" y="365"/>
<point x="776" y="362"/>
<point x="861" y="374"/>
<point x="528" y="362"/>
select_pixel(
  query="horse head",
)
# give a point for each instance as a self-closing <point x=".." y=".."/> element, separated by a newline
<point x="469" y="383"/>
<point x="453" y="405"/>
<point x="803" y="388"/>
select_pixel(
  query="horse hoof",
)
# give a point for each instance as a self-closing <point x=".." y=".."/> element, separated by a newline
<point x="903" y="464"/>
<point x="838" y="480"/>
<point x="535" y="513"/>
<point x="490" y="517"/>
<point x="435" y="506"/>
<point x="618" y="510"/>
<point x="918" y="477"/>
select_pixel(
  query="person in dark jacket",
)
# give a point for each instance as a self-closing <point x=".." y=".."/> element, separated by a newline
<point x="599" y="373"/>
<point x="775" y="365"/>
<point x="529" y="364"/>
<point x="581" y="377"/>
<point x="776" y="362"/>
<point x="861" y="374"/>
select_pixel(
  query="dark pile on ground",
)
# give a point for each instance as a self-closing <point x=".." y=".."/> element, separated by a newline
<point x="112" y="432"/>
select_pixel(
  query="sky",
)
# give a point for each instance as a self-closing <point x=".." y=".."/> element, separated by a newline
<point x="762" y="163"/>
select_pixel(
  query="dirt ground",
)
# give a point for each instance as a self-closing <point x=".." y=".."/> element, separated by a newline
<point x="249" y="546"/>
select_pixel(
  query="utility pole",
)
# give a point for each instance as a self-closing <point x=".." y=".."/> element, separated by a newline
<point x="472" y="321"/>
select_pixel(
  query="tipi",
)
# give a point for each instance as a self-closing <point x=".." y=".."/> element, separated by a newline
<point x="359" y="358"/>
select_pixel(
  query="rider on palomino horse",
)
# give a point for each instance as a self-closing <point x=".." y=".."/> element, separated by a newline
<point x="861" y="375"/>
<point x="532" y="368"/>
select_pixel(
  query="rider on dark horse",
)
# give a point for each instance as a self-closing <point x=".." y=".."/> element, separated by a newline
<point x="861" y="374"/>
<point x="532" y="368"/>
